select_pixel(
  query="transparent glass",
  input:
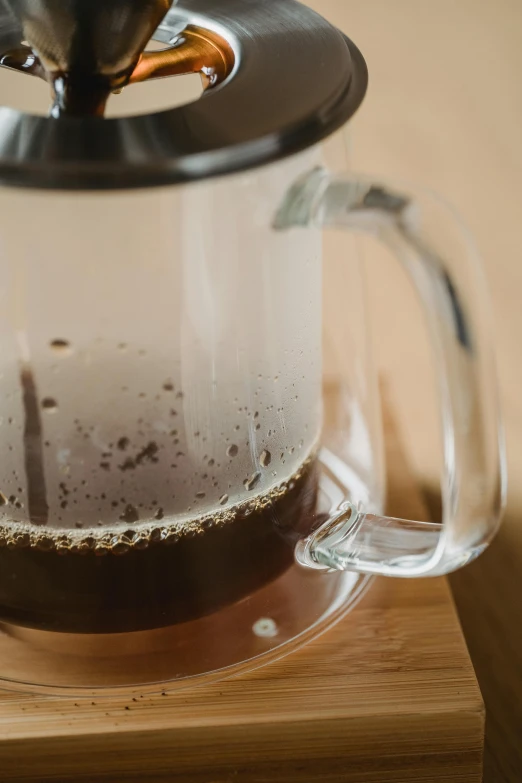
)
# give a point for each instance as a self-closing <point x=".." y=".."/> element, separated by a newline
<point x="191" y="468"/>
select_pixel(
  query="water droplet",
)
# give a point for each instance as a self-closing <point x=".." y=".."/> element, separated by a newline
<point x="130" y="514"/>
<point x="256" y="415"/>
<point x="61" y="346"/>
<point x="258" y="426"/>
<point x="223" y="500"/>
<point x="49" y="404"/>
<point x="3" y="499"/>
<point x="232" y="450"/>
<point x="122" y="346"/>
<point x="200" y="495"/>
<point x="265" y="459"/>
<point x="252" y="482"/>
<point x="265" y="627"/>
<point x="168" y="386"/>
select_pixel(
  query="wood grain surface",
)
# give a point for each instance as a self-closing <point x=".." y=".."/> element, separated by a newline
<point x="386" y="696"/>
<point x="444" y="109"/>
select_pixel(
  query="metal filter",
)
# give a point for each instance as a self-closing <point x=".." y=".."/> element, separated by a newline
<point x="87" y="48"/>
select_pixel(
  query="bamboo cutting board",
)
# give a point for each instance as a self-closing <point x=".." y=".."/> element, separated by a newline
<point x="386" y="696"/>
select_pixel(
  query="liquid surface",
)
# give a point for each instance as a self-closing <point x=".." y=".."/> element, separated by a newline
<point x="156" y="574"/>
<point x="127" y="503"/>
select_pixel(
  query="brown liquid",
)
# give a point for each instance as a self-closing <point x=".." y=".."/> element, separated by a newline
<point x="151" y="575"/>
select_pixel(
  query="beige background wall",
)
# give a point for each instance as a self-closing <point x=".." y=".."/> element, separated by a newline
<point x="444" y="109"/>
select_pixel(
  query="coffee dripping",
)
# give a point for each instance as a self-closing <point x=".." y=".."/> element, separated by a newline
<point x="88" y="49"/>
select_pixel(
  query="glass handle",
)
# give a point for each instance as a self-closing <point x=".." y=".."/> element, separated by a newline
<point x="438" y="257"/>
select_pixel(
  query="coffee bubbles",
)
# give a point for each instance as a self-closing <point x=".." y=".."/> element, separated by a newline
<point x="112" y="491"/>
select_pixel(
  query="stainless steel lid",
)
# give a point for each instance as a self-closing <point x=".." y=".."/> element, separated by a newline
<point x="294" y="80"/>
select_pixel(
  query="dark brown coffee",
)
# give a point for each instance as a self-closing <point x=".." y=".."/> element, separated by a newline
<point x="152" y="574"/>
<point x="127" y="503"/>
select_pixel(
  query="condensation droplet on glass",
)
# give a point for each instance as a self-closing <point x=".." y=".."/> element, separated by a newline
<point x="252" y="482"/>
<point x="232" y="450"/>
<point x="61" y="346"/>
<point x="223" y="500"/>
<point x="265" y="627"/>
<point x="49" y="404"/>
<point x="265" y="459"/>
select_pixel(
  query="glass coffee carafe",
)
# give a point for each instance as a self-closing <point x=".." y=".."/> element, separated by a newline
<point x="191" y="474"/>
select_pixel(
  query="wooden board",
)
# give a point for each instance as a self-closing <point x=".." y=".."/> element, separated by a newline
<point x="388" y="695"/>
